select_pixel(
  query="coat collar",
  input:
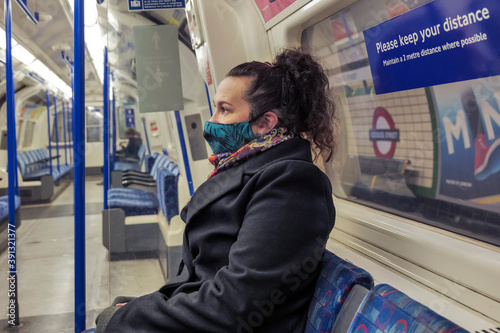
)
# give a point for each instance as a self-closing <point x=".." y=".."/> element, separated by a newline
<point x="232" y="178"/>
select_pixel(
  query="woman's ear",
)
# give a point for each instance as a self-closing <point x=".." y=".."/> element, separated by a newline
<point x="265" y="123"/>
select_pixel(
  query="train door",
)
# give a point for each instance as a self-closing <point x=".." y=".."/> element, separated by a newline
<point x="168" y="113"/>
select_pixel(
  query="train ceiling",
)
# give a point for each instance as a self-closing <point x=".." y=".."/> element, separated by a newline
<point x="54" y="33"/>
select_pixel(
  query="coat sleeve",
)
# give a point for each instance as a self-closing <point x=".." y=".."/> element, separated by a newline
<point x="272" y="266"/>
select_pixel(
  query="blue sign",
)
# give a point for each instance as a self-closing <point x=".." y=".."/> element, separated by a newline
<point x="129" y="118"/>
<point x="135" y="5"/>
<point x="441" y="42"/>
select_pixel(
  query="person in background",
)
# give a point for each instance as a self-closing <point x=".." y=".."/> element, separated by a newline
<point x="256" y="229"/>
<point x="132" y="147"/>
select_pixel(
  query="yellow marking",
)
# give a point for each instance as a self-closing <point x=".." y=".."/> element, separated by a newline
<point x="486" y="201"/>
<point x="373" y="183"/>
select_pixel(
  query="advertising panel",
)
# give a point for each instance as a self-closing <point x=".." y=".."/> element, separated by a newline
<point x="469" y="131"/>
<point x="271" y="8"/>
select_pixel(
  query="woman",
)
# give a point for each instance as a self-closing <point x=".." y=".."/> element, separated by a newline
<point x="256" y="229"/>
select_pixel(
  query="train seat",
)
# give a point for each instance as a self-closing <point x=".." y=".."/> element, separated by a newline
<point x="386" y="309"/>
<point x="34" y="164"/>
<point x="131" y="224"/>
<point x="146" y="181"/>
<point x="4" y="219"/>
<point x="337" y="278"/>
<point x="4" y="206"/>
<point x="132" y="163"/>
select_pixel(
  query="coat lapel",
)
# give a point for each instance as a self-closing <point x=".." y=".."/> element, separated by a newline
<point x="212" y="190"/>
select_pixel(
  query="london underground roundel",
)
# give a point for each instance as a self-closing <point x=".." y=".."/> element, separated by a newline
<point x="383" y="134"/>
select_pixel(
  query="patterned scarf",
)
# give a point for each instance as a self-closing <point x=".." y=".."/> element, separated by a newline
<point x="224" y="161"/>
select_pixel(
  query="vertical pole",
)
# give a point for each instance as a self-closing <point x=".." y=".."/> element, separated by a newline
<point x="114" y="130"/>
<point x="208" y="98"/>
<point x="146" y="134"/>
<point x="13" y="307"/>
<point x="105" y="97"/>
<point x="48" y="129"/>
<point x="184" y="152"/>
<point x="72" y="74"/>
<point x="70" y="131"/>
<point x="64" y="130"/>
<point x="57" y="133"/>
<point x="79" y="162"/>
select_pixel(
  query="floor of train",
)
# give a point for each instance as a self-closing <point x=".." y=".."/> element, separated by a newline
<point x="45" y="266"/>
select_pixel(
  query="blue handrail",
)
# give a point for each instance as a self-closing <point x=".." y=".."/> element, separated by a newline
<point x="71" y="73"/>
<point x="57" y="133"/>
<point x="79" y="164"/>
<point x="105" y="97"/>
<point x="146" y="134"/>
<point x="114" y="129"/>
<point x="24" y="6"/>
<point x="70" y="133"/>
<point x="48" y="129"/>
<point x="64" y="131"/>
<point x="12" y="166"/>
<point x="184" y="153"/>
<point x="208" y="98"/>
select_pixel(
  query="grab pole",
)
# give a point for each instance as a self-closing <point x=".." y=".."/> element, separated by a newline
<point x="146" y="134"/>
<point x="64" y="130"/>
<point x="57" y="133"/>
<point x="105" y="97"/>
<point x="13" y="306"/>
<point x="79" y="164"/>
<point x="48" y="129"/>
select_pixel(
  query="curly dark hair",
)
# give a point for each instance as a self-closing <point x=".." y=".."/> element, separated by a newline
<point x="295" y="87"/>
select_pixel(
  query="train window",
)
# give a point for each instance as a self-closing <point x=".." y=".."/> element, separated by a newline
<point x="19" y="129"/>
<point x="411" y="172"/>
<point x="126" y="119"/>
<point x="29" y="129"/>
<point x="60" y="128"/>
<point x="94" y="125"/>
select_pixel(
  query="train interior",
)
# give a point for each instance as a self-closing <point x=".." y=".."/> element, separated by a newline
<point x="409" y="211"/>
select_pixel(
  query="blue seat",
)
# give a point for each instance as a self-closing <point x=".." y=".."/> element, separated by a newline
<point x="34" y="164"/>
<point x="337" y="278"/>
<point x="386" y="309"/>
<point x="4" y="206"/>
<point x="140" y="202"/>
<point x="132" y="163"/>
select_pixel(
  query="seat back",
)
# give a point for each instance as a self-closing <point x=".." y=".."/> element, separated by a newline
<point x="386" y="309"/>
<point x="141" y="153"/>
<point x="337" y="278"/>
<point x="168" y="196"/>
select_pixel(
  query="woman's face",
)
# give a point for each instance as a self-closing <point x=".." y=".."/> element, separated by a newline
<point x="230" y="106"/>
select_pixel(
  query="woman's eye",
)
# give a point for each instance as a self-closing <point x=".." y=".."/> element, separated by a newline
<point x="224" y="110"/>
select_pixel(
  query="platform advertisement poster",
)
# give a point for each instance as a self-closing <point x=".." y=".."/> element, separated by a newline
<point x="469" y="131"/>
<point x="271" y="8"/>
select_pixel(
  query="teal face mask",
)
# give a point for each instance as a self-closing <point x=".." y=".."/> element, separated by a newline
<point x="227" y="138"/>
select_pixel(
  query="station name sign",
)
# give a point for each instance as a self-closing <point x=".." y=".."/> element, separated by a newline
<point x="441" y="42"/>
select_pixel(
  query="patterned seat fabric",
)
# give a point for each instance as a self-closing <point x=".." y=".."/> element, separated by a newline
<point x="132" y="164"/>
<point x="133" y="202"/>
<point x="337" y="277"/>
<point x="386" y="309"/>
<point x="167" y="191"/>
<point x="34" y="164"/>
<point x="4" y="206"/>
<point x="140" y="202"/>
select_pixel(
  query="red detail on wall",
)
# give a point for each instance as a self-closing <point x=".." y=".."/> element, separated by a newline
<point x="379" y="152"/>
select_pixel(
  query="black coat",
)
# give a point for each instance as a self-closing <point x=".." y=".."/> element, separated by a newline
<point x="254" y="236"/>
